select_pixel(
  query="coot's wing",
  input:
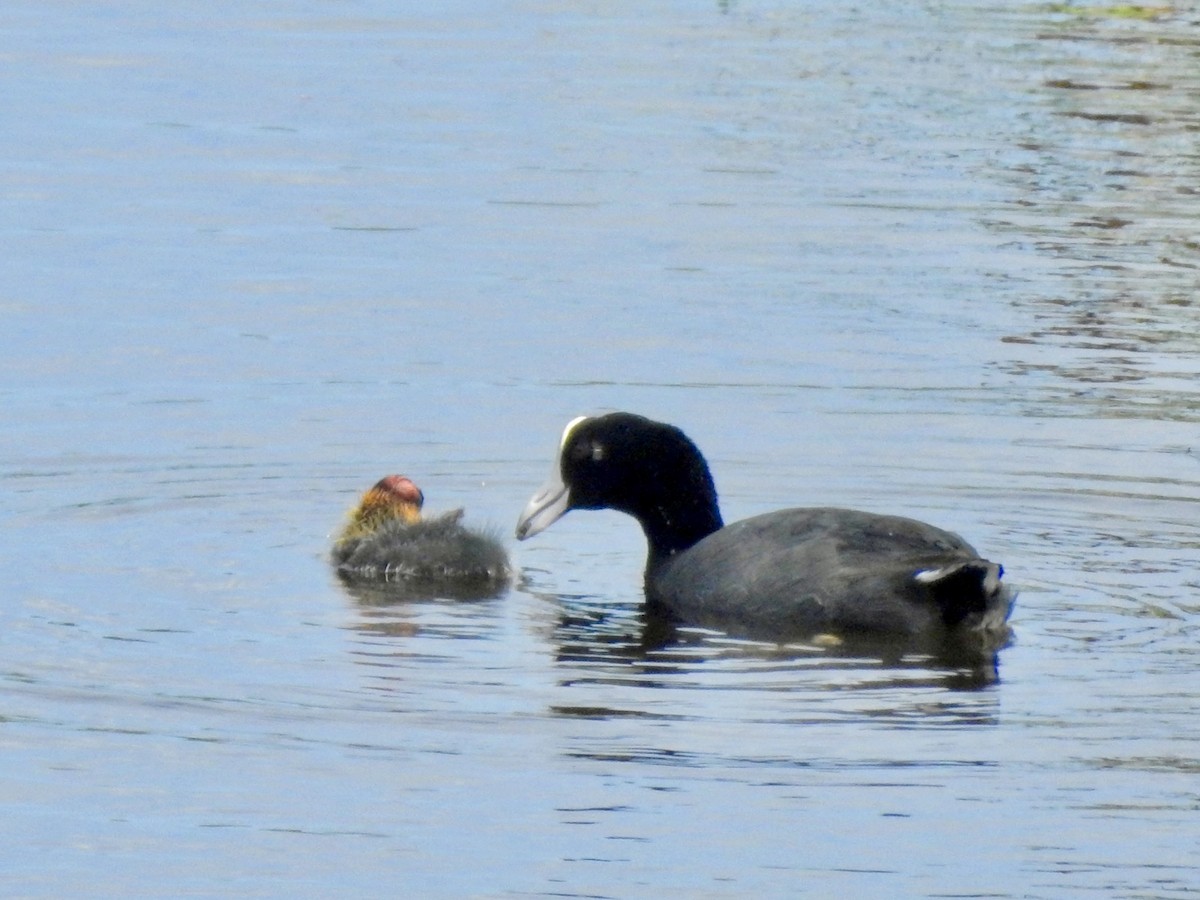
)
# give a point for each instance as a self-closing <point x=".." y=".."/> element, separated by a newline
<point x="801" y="571"/>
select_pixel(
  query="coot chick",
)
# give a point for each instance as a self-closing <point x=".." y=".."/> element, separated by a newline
<point x="386" y="539"/>
<point x="780" y="575"/>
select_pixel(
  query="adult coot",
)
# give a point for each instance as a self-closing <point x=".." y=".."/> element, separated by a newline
<point x="386" y="539"/>
<point x="785" y="574"/>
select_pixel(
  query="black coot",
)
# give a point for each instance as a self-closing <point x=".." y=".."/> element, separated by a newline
<point x="386" y="539"/>
<point x="781" y="575"/>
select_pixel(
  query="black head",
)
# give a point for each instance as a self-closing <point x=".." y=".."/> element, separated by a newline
<point x="630" y="463"/>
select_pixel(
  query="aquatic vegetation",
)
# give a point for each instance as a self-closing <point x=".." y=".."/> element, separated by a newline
<point x="1116" y="11"/>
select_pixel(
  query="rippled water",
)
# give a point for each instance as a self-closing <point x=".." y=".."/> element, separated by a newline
<point x="938" y="261"/>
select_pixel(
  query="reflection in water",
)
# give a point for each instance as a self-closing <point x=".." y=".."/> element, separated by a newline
<point x="628" y="643"/>
<point x="401" y="608"/>
<point x="376" y="592"/>
<point x="635" y="692"/>
<point x="1105" y="186"/>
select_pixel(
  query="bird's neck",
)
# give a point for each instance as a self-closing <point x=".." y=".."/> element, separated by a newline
<point x="673" y="527"/>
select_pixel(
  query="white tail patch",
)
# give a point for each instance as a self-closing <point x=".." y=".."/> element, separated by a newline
<point x="991" y="580"/>
<point x="929" y="576"/>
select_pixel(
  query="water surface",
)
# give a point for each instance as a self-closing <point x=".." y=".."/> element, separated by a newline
<point x="938" y="262"/>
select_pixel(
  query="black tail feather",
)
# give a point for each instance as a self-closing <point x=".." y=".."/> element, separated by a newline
<point x="969" y="593"/>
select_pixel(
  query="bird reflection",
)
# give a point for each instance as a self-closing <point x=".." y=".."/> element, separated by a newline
<point x="373" y="593"/>
<point x="650" y="645"/>
<point x="396" y="608"/>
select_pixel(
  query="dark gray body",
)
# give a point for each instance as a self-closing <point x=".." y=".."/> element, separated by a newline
<point x="439" y="549"/>
<point x="800" y="572"/>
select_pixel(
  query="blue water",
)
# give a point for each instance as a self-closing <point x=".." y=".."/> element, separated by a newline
<point x="935" y="261"/>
